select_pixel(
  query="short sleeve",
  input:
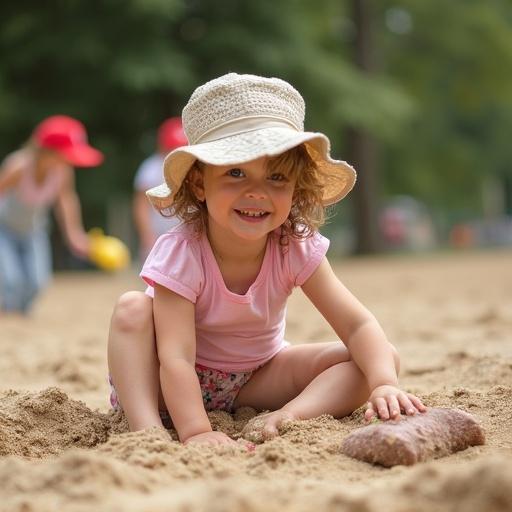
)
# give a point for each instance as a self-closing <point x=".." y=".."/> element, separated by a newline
<point x="175" y="263"/>
<point x="304" y="256"/>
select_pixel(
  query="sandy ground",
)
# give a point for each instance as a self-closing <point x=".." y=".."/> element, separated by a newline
<point x="449" y="315"/>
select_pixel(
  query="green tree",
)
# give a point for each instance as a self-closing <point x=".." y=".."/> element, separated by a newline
<point x="454" y="59"/>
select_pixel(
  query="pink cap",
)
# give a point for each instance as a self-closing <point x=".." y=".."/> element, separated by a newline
<point x="171" y="135"/>
<point x="68" y="137"/>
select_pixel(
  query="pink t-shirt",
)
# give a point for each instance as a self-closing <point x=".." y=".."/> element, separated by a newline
<point x="233" y="332"/>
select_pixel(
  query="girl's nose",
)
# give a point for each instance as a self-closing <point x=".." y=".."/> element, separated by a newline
<point x="256" y="192"/>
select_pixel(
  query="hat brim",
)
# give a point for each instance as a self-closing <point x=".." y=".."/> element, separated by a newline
<point x="248" y="146"/>
<point x="82" y="155"/>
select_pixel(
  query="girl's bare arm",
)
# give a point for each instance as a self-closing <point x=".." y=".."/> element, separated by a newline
<point x="176" y="345"/>
<point x="10" y="173"/>
<point x="354" y="324"/>
<point x="69" y="215"/>
<point x="365" y="340"/>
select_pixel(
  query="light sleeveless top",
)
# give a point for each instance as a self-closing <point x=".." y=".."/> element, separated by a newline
<point x="233" y="332"/>
<point x="24" y="208"/>
<point x="149" y="175"/>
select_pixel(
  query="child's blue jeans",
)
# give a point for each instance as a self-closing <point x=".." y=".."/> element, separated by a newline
<point x="25" y="268"/>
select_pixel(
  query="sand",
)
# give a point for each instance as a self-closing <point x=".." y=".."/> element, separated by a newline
<point x="449" y="315"/>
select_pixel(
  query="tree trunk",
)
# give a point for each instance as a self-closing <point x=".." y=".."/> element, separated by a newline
<point x="362" y="147"/>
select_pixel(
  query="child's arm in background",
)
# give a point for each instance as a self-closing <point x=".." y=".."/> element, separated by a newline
<point x="142" y="217"/>
<point x="68" y="210"/>
<point x="365" y="340"/>
<point x="174" y="318"/>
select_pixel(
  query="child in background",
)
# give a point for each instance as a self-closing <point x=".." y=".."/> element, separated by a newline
<point x="251" y="189"/>
<point x="148" y="222"/>
<point x="33" y="179"/>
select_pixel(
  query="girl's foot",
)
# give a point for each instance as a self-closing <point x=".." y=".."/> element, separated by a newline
<point x="266" y="426"/>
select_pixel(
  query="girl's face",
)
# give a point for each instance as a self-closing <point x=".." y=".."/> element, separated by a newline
<point x="244" y="199"/>
<point x="49" y="159"/>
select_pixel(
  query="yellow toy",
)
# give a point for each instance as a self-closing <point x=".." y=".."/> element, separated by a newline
<point x="108" y="252"/>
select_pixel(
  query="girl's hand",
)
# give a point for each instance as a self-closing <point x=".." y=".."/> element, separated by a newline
<point x="217" y="439"/>
<point x="386" y="402"/>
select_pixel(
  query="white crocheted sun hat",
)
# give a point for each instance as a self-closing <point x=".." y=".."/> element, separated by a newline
<point x="239" y="118"/>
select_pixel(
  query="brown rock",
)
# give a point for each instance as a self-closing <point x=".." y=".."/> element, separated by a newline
<point x="412" y="439"/>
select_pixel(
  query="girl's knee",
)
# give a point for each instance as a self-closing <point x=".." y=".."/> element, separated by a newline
<point x="133" y="312"/>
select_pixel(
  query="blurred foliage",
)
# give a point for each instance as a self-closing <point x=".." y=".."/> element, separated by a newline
<point x="439" y="104"/>
<point x="454" y="59"/>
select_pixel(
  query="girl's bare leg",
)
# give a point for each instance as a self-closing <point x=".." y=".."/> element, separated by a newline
<point x="303" y="382"/>
<point x="133" y="361"/>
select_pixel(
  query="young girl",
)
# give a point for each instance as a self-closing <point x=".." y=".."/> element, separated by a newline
<point x="208" y="334"/>
<point x="32" y="180"/>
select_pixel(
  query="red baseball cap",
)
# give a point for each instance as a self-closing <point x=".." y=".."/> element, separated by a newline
<point x="68" y="137"/>
<point x="171" y="135"/>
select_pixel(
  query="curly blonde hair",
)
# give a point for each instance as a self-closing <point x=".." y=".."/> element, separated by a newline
<point x="307" y="213"/>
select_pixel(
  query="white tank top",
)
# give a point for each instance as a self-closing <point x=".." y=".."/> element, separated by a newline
<point x="25" y="207"/>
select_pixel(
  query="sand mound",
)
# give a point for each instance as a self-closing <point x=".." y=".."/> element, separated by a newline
<point x="46" y="423"/>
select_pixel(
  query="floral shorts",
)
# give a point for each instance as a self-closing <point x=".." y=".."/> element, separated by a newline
<point x="219" y="388"/>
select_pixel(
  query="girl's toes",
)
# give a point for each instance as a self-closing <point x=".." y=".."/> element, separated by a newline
<point x="270" y="431"/>
<point x="254" y="430"/>
<point x="266" y="426"/>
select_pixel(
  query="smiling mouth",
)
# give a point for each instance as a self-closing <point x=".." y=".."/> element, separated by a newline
<point x="252" y="213"/>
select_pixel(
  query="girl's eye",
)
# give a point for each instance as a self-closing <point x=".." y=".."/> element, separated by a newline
<point x="235" y="173"/>
<point x="277" y="177"/>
